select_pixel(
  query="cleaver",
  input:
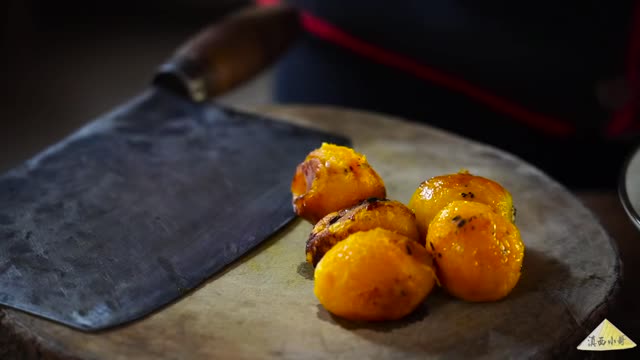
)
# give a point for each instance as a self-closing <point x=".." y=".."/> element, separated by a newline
<point x="146" y="202"/>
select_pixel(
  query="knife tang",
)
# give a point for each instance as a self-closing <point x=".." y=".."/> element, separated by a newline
<point x="227" y="53"/>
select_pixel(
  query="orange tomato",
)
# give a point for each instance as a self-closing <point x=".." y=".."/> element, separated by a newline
<point x="369" y="214"/>
<point x="434" y="194"/>
<point x="333" y="178"/>
<point x="478" y="253"/>
<point x="374" y="275"/>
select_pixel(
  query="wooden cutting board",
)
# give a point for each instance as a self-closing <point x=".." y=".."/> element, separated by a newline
<point x="264" y="307"/>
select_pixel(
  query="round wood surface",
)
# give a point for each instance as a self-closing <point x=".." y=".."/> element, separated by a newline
<point x="264" y="307"/>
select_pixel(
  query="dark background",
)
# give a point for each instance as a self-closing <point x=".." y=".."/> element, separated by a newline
<point x="65" y="62"/>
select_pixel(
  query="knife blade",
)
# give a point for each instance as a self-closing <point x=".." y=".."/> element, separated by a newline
<point x="143" y="204"/>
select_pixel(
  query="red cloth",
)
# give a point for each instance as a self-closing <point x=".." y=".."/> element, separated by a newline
<point x="622" y="120"/>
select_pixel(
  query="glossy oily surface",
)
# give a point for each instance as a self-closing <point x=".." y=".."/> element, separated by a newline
<point x="370" y="214"/>
<point x="332" y="178"/>
<point x="434" y="194"/>
<point x="374" y="275"/>
<point x="478" y="252"/>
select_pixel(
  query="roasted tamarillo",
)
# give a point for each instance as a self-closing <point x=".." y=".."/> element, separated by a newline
<point x="332" y="178"/>
<point x="435" y="193"/>
<point x="369" y="214"/>
<point x="477" y="251"/>
<point x="374" y="275"/>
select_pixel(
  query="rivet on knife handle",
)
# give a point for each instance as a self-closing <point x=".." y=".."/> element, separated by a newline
<point x="230" y="52"/>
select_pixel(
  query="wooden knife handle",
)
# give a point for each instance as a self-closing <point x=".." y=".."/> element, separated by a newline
<point x="229" y="52"/>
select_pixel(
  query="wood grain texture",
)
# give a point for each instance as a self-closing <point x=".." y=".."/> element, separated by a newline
<point x="263" y="306"/>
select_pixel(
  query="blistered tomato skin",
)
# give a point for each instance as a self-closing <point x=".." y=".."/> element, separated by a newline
<point x="374" y="275"/>
<point x="333" y="178"/>
<point x="369" y="214"/>
<point x="478" y="253"/>
<point x="435" y="193"/>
